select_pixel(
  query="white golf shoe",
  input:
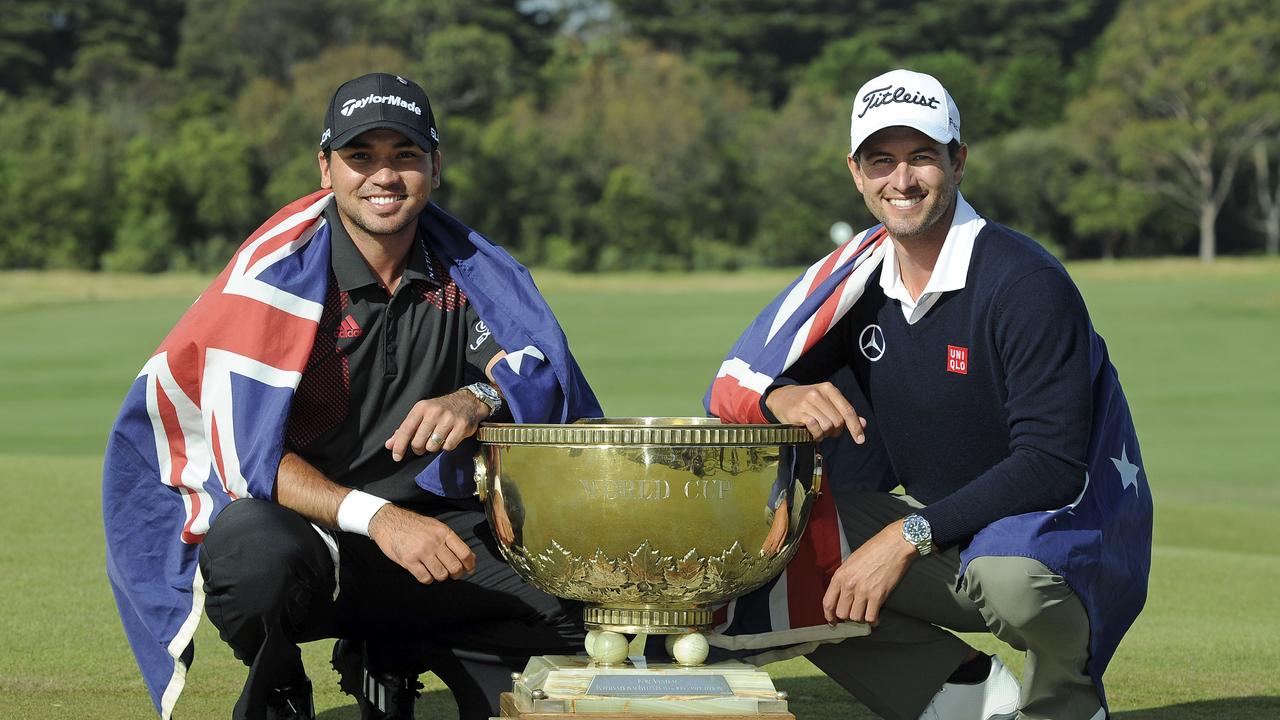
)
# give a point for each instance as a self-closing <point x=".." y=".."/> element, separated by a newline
<point x="995" y="698"/>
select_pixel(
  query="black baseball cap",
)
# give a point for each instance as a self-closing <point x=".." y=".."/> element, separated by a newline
<point x="379" y="100"/>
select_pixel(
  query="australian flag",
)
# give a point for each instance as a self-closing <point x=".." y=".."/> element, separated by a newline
<point x="1100" y="543"/>
<point x="203" y="423"/>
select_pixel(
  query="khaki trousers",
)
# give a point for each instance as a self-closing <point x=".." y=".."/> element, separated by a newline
<point x="896" y="669"/>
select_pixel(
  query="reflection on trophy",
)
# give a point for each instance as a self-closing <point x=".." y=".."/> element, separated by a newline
<point x="651" y="523"/>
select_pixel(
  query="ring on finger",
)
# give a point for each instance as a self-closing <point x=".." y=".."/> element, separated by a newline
<point x="435" y="439"/>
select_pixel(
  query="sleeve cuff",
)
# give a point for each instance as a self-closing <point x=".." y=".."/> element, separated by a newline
<point x="944" y="526"/>
<point x="777" y="383"/>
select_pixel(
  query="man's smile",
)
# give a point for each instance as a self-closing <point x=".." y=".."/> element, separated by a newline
<point x="385" y="199"/>
<point x="906" y="202"/>
<point x="386" y="202"/>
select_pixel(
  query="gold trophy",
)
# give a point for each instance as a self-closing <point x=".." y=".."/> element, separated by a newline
<point x="650" y="522"/>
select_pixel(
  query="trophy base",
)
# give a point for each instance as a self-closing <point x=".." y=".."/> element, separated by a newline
<point x="560" y="686"/>
<point x="651" y="619"/>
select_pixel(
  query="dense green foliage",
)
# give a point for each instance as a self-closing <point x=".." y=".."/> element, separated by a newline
<point x="1195" y="348"/>
<point x="592" y="135"/>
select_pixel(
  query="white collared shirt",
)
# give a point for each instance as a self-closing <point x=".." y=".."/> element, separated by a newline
<point x="949" y="272"/>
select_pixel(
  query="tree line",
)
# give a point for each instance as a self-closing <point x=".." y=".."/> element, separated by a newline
<point x="149" y="135"/>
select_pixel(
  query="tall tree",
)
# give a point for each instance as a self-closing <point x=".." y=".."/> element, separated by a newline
<point x="1192" y="85"/>
<point x="1027" y="196"/>
<point x="412" y="25"/>
<point x="57" y="180"/>
<point x="845" y="63"/>
<point x="801" y="175"/>
<point x="763" y="44"/>
<point x="36" y="39"/>
<point x="226" y="42"/>
<point x="1267" y="184"/>
<point x="756" y="42"/>
<point x="636" y="160"/>
<point x="40" y="39"/>
<point x="468" y="70"/>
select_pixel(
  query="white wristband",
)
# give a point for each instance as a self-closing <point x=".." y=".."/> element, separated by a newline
<point x="356" y="510"/>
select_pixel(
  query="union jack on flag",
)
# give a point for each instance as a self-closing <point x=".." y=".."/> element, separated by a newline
<point x="203" y="423"/>
<point x="790" y="325"/>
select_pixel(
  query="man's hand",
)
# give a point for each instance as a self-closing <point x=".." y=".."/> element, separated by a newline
<point x="424" y="546"/>
<point x="438" y="424"/>
<point x="821" y="408"/>
<point x="777" y="529"/>
<point x="501" y="521"/>
<point x="861" y="585"/>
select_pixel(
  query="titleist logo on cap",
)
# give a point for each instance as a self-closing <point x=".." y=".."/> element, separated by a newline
<point x="354" y="104"/>
<point x="889" y="94"/>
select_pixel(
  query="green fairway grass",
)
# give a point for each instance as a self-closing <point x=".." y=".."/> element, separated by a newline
<point x="1198" y="350"/>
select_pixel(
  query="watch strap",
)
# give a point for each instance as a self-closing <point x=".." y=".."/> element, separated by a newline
<point x="916" y="530"/>
<point x="486" y="394"/>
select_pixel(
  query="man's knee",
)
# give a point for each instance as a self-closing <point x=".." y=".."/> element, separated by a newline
<point x="1022" y="595"/>
<point x="865" y="513"/>
<point x="258" y="554"/>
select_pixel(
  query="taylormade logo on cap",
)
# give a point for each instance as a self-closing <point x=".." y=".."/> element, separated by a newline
<point x="903" y="98"/>
<point x="379" y="100"/>
<point x="355" y="104"/>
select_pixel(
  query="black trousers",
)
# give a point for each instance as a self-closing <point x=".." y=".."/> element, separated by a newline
<point x="270" y="584"/>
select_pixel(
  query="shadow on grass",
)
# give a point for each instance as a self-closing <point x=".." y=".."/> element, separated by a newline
<point x="814" y="699"/>
<point x="1242" y="708"/>
<point x="820" y="698"/>
<point x="436" y="705"/>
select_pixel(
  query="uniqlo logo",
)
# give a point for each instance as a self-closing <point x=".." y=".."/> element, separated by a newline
<point x="958" y="360"/>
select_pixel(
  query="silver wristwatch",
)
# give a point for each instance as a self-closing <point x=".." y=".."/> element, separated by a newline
<point x="916" y="531"/>
<point x="486" y="394"/>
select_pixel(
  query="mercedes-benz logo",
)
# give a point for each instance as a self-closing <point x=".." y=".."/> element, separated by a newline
<point x="871" y="342"/>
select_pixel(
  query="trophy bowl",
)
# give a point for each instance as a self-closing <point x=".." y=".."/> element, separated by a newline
<point x="648" y="521"/>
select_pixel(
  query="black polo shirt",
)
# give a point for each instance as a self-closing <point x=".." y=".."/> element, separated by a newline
<point x="375" y="355"/>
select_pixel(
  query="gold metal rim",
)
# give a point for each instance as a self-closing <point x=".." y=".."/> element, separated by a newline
<point x="641" y="434"/>
<point x="655" y="620"/>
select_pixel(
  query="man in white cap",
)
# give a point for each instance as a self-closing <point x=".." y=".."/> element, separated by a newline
<point x="995" y="403"/>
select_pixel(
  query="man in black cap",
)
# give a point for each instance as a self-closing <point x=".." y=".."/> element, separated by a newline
<point x="352" y="546"/>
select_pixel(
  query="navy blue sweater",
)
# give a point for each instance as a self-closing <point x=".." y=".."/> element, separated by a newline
<point x="984" y="404"/>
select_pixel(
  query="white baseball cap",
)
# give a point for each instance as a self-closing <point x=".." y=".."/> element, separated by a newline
<point x="903" y="97"/>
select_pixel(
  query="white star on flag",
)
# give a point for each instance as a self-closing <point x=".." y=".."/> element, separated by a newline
<point x="1128" y="471"/>
<point x="516" y="359"/>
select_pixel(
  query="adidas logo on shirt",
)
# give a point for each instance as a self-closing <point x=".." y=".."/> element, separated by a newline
<point x="349" y="328"/>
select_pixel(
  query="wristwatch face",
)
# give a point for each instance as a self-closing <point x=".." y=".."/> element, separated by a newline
<point x="487" y="395"/>
<point x="916" y="530"/>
